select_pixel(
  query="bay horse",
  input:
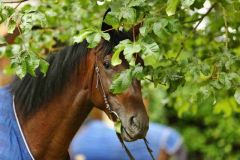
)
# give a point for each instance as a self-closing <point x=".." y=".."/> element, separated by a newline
<point x="46" y="111"/>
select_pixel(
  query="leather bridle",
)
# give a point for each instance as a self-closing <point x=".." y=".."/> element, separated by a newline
<point x="113" y="115"/>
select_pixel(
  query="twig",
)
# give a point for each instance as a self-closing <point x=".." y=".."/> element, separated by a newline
<point x="151" y="80"/>
<point x="109" y="30"/>
<point x="19" y="30"/>
<point x="20" y="1"/>
<point x="18" y="5"/>
<point x="55" y="49"/>
<point x="21" y="36"/>
<point x="215" y="73"/>
<point x="133" y="35"/>
<point x="194" y="29"/>
<point x="225" y="24"/>
<point x="192" y="21"/>
<point x="201" y="19"/>
<point x="10" y="19"/>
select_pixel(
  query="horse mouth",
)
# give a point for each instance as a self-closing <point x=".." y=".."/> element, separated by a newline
<point x="126" y="136"/>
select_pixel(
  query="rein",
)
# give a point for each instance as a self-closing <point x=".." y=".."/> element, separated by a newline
<point x="114" y="116"/>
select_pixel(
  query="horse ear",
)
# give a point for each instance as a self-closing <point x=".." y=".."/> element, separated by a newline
<point x="105" y="26"/>
<point x="116" y="35"/>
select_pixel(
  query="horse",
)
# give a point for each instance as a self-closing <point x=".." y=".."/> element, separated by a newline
<point x="41" y="114"/>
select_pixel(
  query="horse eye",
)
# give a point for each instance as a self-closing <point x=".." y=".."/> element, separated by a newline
<point x="106" y="64"/>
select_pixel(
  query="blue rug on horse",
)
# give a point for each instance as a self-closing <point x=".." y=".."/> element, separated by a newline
<point x="97" y="141"/>
<point x="12" y="146"/>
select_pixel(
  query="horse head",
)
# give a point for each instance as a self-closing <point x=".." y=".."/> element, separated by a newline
<point x="127" y="106"/>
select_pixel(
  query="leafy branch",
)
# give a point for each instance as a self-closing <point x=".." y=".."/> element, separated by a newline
<point x="194" y="29"/>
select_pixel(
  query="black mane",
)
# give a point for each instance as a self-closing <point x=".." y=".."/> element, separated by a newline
<point x="32" y="92"/>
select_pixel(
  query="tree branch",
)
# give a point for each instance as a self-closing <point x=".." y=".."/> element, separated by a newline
<point x="201" y="19"/>
<point x="225" y="24"/>
<point x="13" y="1"/>
<point x="194" y="29"/>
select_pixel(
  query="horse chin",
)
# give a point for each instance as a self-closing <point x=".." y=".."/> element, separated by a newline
<point x="127" y="136"/>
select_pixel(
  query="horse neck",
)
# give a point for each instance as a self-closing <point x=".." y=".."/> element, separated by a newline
<point x="50" y="131"/>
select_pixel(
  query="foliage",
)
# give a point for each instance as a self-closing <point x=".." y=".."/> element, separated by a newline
<point x="190" y="49"/>
<point x="207" y="134"/>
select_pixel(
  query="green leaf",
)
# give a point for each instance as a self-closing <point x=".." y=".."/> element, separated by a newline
<point x="79" y="38"/>
<point x="11" y="25"/>
<point x="237" y="95"/>
<point x="112" y="20"/>
<point x="138" y="72"/>
<point x="187" y="3"/>
<point x="32" y="64"/>
<point x="224" y="107"/>
<point x="136" y="3"/>
<point x="118" y="126"/>
<point x="171" y="7"/>
<point x="100" y="3"/>
<point x="173" y="25"/>
<point x="205" y="69"/>
<point x="115" y="58"/>
<point x="93" y="39"/>
<point x="121" y="82"/>
<point x="2" y="40"/>
<point x="224" y="80"/>
<point x="32" y="18"/>
<point x="106" y="36"/>
<point x="128" y="48"/>
<point x="158" y="27"/>
<point x="129" y="14"/>
<point x="5" y="12"/>
<point x="129" y="52"/>
<point x="143" y="30"/>
<point x="151" y="54"/>
<point x="21" y="70"/>
<point x="150" y="60"/>
<point x="43" y="66"/>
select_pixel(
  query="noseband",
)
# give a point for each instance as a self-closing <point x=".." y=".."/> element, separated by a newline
<point x="113" y="115"/>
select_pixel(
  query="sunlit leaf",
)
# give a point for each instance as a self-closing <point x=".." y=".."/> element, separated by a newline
<point x="187" y="3"/>
<point x="2" y="40"/>
<point x="43" y="66"/>
<point x="79" y="38"/>
<point x="121" y="82"/>
<point x="11" y="25"/>
<point x="237" y="96"/>
<point x="93" y="39"/>
<point x="112" y="20"/>
<point x="106" y="36"/>
<point x="171" y="7"/>
<point x="21" y="70"/>
<point x="118" y="126"/>
<point x="115" y="58"/>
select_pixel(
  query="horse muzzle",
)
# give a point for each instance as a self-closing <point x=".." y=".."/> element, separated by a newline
<point x="134" y="129"/>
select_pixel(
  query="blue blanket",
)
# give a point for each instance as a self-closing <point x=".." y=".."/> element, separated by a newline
<point x="96" y="141"/>
<point x="12" y="146"/>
